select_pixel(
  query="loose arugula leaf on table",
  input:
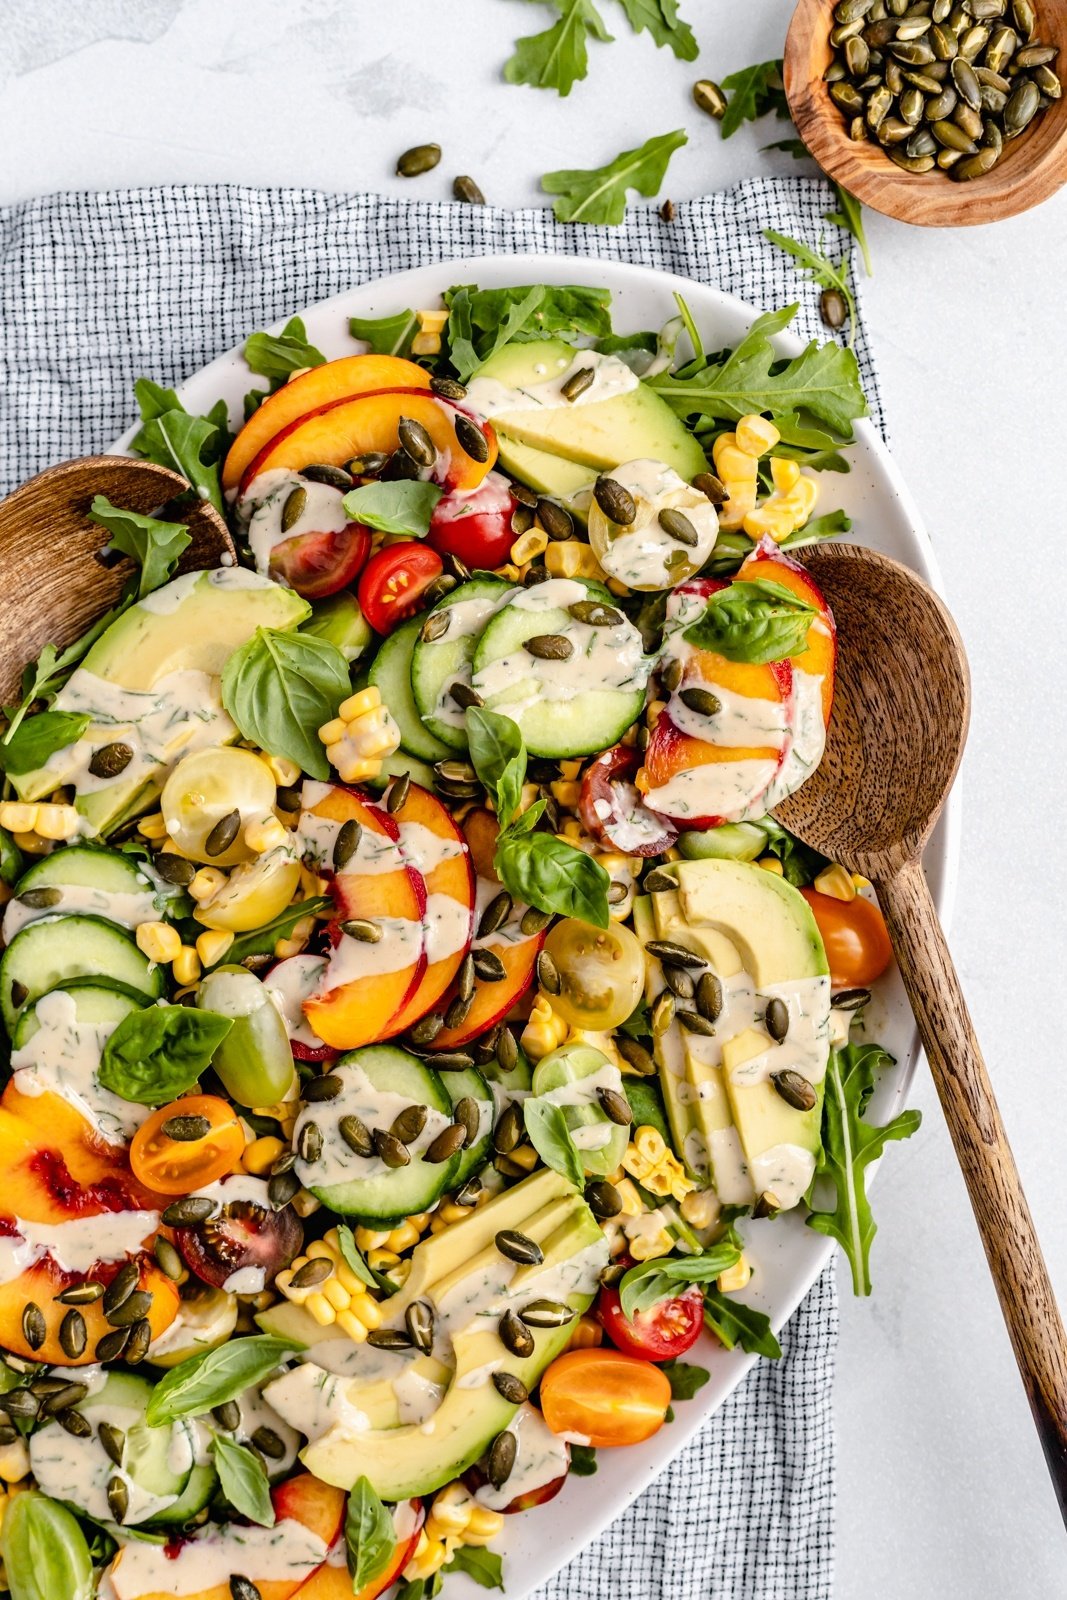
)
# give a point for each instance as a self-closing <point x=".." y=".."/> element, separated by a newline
<point x="583" y="1460"/>
<point x="660" y="18"/>
<point x="402" y="507"/>
<point x="34" y="741"/>
<point x="751" y="94"/>
<point x="599" y="194"/>
<point x="191" y="446"/>
<point x="387" y="336"/>
<point x="665" y="1276"/>
<point x="370" y="1536"/>
<point x="261" y="941"/>
<point x="754" y="620"/>
<point x="558" y="58"/>
<point x="734" y="1323"/>
<point x="821" y="269"/>
<point x="280" y="687"/>
<point x="849" y="215"/>
<point x="550" y="1136"/>
<point x="243" y="1480"/>
<point x="277" y="355"/>
<point x="155" y="546"/>
<point x="685" y="1379"/>
<point x="793" y="147"/>
<point x="157" y="1054"/>
<point x="210" y="1379"/>
<point x="485" y="1567"/>
<point x="850" y="1144"/>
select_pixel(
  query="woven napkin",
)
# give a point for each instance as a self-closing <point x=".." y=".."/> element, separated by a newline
<point x="96" y="289"/>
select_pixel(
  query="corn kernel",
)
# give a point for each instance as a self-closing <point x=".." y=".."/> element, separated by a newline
<point x="17" y="817"/>
<point x="186" y="966"/>
<point x="784" y="473"/>
<point x="836" y="882"/>
<point x="572" y="558"/>
<point x="735" y="1277"/>
<point x="733" y="464"/>
<point x="756" y="435"/>
<point x="56" y="822"/>
<point x="701" y="1208"/>
<point x="267" y="834"/>
<point x="771" y="864"/>
<point x="332" y="732"/>
<point x="801" y="499"/>
<point x="860" y="882"/>
<point x="213" y="945"/>
<point x="261" y="1155"/>
<point x="742" y="501"/>
<point x="432" y="321"/>
<point x="566" y="792"/>
<point x="586" y="1334"/>
<point x="159" y="941"/>
<point x="426" y="344"/>
<point x="206" y="884"/>
<point x="14" y="1461"/>
<point x="483" y="1525"/>
<point x="285" y="772"/>
<point x="534" y="542"/>
<point x="654" y="710"/>
<point x="358" y="704"/>
<point x="304" y="1203"/>
<point x="648" y="1248"/>
<point x="153" y="827"/>
<point x="769" y="519"/>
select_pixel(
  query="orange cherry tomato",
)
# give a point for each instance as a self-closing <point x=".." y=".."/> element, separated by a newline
<point x="176" y="1166"/>
<point x="606" y="1396"/>
<point x="855" y="936"/>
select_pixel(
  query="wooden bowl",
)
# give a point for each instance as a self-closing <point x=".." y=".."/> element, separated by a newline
<point x="1031" y="169"/>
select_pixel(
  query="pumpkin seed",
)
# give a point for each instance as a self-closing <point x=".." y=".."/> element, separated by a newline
<point x="74" y="1423"/>
<point x="509" y="1130"/>
<point x="186" y="1130"/>
<point x="913" y="27"/>
<point x="369" y="465"/>
<point x="976" y="166"/>
<point x="416" y="441"/>
<point x="595" y="614"/>
<point x="1021" y="108"/>
<point x="973" y="41"/>
<point x="969" y="121"/>
<point x="549" y="647"/>
<point x="447" y="1144"/>
<point x="317" y="1270"/>
<point x="175" y="869"/>
<point x="73" y="1334"/>
<point x="615" y="1107"/>
<point x="472" y="440"/>
<point x="501" y="1459"/>
<point x="409" y="1124"/>
<point x="136" y="1347"/>
<point x="576" y="385"/>
<point x="419" y="159"/>
<point x="795" y="1090"/>
<point x="118" y="1497"/>
<point x="495" y="914"/>
<point x="709" y="996"/>
<point x="913" y="52"/>
<point x="894" y="130"/>
<point x="667" y="950"/>
<point x="242" y="1588"/>
<point x="615" y="501"/>
<point x="110" y="760"/>
<point x="967" y="85"/>
<point x="515" y="1336"/>
<point x="42" y="899"/>
<point x="113" y="1345"/>
<point x="603" y="1199"/>
<point x="332" y="477"/>
<point x="517" y="1247"/>
<point x="458" y="1010"/>
<point x="436" y="626"/>
<point x="924" y="81"/>
<point x="113" y="1440"/>
<point x="443" y="584"/>
<point x="62" y="1398"/>
<point x="850" y="10"/>
<point x="295" y="505"/>
<point x="556" y="521"/>
<point x="223" y="834"/>
<point x="953" y="137"/>
<point x="453" y="1060"/>
<point x="228" y="1414"/>
<point x="911" y="106"/>
<point x="679" y="981"/>
<point x="511" y="1388"/>
<point x="1024" y="17"/>
<point x="857" y="56"/>
<point x="776" y="1018"/>
<point x="21" y="1403"/>
<point x="469" y="1117"/>
<point x="356" y="1135"/>
<point x="947" y="159"/>
<point x="488" y="966"/>
<point x="326" y="1087"/>
<point x="547" y="1314"/>
<point x="693" y="1022"/>
<point x="309" y="1142"/>
<point x="135" y="1306"/>
<point x="418" y="1318"/>
<point x="1036" y="55"/>
<point x="1048" y="82"/>
<point x="427" y="1028"/>
<point x="534" y="920"/>
<point x="832" y="308"/>
<point x="709" y="98"/>
<point x="711" y="487"/>
<point x="911" y="163"/>
<point x="84" y="1294"/>
<point x="389" y="1339"/>
<point x="850" y="999"/>
<point x="120" y="1288"/>
<point x="390" y="1149"/>
<point x="282" y="1188"/>
<point x="940" y="9"/>
<point x="939" y="107"/>
<point x="506" y="1050"/>
<point x="701" y="701"/>
<point x="663" y="1010"/>
<point x="34" y="1327"/>
<point x="635" y="1055"/>
<point x="666" y="211"/>
<point x="465" y="189"/>
<point x="548" y="974"/>
<point x="269" y="1444"/>
<point x="347" y="843"/>
<point x="944" y="42"/>
<point x="845" y="32"/>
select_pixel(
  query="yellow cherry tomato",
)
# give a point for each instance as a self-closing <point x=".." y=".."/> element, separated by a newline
<point x="601" y="970"/>
<point x="255" y="892"/>
<point x="607" y="1397"/>
<point x="177" y="1166"/>
<point x="204" y="790"/>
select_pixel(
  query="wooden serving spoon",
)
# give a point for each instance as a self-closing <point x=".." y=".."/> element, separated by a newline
<point x="901" y="709"/>
<point x="55" y="584"/>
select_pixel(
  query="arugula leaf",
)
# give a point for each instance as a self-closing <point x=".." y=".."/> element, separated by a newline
<point x="353" y="1259"/>
<point x="210" y="1379"/>
<point x="277" y="355"/>
<point x="243" y="1480"/>
<point x="31" y="744"/>
<point x="734" y="1323"/>
<point x="793" y="147"/>
<point x="753" y="92"/>
<point x="583" y="1460"/>
<point x="43" y="678"/>
<point x="849" y="215"/>
<point x="482" y="320"/>
<point x="553" y="876"/>
<point x="599" y="193"/>
<point x="685" y="1379"/>
<point x="157" y="1054"/>
<point x="486" y="1567"/>
<point x="826" y="273"/>
<point x="558" y="58"/>
<point x="191" y="446"/>
<point x="754" y="620"/>
<point x="464" y="353"/>
<point x="827" y="526"/>
<point x="261" y="941"/>
<point x="402" y="507"/>
<point x="550" y="1136"/>
<point x="370" y="1537"/>
<point x="801" y="864"/>
<point x="660" y="18"/>
<point x="155" y="546"/>
<point x="498" y="756"/>
<point x="280" y="687"/>
<point x="11" y="859"/>
<point x="650" y="1281"/>
<point x="387" y="336"/>
<point x="850" y="1144"/>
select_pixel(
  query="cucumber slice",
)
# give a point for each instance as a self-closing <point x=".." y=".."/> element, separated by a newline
<point x="193" y="1498"/>
<point x="438" y="663"/>
<point x="91" y="881"/>
<point x="564" y="1070"/>
<point x="48" y="954"/>
<point x="517" y="1080"/>
<point x="390" y="672"/>
<point x="395" y="766"/>
<point x="570" y="707"/>
<point x="470" y="1083"/>
<point x="379" y="1083"/>
<point x="95" y="1005"/>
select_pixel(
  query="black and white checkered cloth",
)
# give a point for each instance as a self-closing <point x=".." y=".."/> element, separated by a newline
<point x="96" y="289"/>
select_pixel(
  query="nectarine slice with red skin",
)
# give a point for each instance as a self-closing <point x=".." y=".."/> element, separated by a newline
<point x="370" y="423"/>
<point x="321" y="386"/>
<point x="452" y="877"/>
<point x="332" y="1581"/>
<point x="41" y="1283"/>
<point x="362" y="1010"/>
<point x="493" y="1001"/>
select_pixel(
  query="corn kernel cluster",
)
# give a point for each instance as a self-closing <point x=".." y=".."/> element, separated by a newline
<point x="792" y="500"/>
<point x="397" y="1239"/>
<point x="573" y="558"/>
<point x="455" y="1519"/>
<point x="544" y="1032"/>
<point x="427" y="342"/>
<point x="35" y="826"/>
<point x="648" y="1159"/>
<point x="342" y="1298"/>
<point x="361" y="734"/>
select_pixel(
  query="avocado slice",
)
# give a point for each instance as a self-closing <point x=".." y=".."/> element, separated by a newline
<point x="191" y="625"/>
<point x="759" y="937"/>
<point x="567" y="481"/>
<point x="634" y="425"/>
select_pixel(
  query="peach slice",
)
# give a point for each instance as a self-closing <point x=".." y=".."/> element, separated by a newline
<point x="435" y="846"/>
<point x="320" y="386"/>
<point x="332" y="1582"/>
<point x="369" y="423"/>
<point x="493" y="1001"/>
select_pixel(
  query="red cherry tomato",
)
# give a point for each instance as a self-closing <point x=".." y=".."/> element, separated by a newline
<point x="855" y="936"/>
<point x="613" y="811"/>
<point x="476" y="528"/>
<point x="668" y="1329"/>
<point x="394" y="582"/>
<point x="241" y="1234"/>
<point x="475" y="1478"/>
<point x="318" y="564"/>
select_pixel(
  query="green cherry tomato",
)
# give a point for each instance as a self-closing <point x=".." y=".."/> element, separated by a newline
<point x="255" y="1060"/>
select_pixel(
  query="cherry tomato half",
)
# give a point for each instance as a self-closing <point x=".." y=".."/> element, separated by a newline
<point x="177" y="1166"/>
<point x="855" y="936"/>
<point x="476" y="528"/>
<point x="666" y="1330"/>
<point x="394" y="582"/>
<point x="319" y="564"/>
<point x="608" y="1397"/>
<point x="612" y="810"/>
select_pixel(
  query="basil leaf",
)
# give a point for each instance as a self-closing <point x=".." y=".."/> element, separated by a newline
<point x="402" y="507"/>
<point x="733" y="1323"/>
<point x="261" y="941"/>
<point x="370" y="1537"/>
<point x="850" y="1144"/>
<point x="353" y="1259"/>
<point x="30" y="746"/>
<point x="660" y="18"/>
<point x="387" y="336"/>
<point x="754" y="620"/>
<point x="599" y="194"/>
<point x="419" y="1588"/>
<point x="155" y="546"/>
<point x="583" y="1460"/>
<point x="277" y="355"/>
<point x="685" y="1379"/>
<point x="753" y="92"/>
<point x="157" y="1054"/>
<point x="191" y="446"/>
<point x="550" y="1136"/>
<point x="210" y="1379"/>
<point x="646" y="1103"/>
<point x="558" y="58"/>
<point x="44" y="1550"/>
<point x="651" y="1281"/>
<point x="498" y="756"/>
<point x="243" y="1480"/>
<point x="279" y="688"/>
<point x="553" y="876"/>
<point x="12" y="863"/>
<point x="486" y="1567"/>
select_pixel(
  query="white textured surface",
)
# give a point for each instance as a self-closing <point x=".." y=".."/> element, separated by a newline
<point x="942" y="1488"/>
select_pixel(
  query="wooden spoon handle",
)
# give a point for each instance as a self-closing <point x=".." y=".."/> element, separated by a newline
<point x="992" y="1178"/>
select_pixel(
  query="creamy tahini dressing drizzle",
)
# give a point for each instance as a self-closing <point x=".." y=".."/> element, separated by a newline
<point x="60" y="1461"/>
<point x="743" y="721"/>
<point x="317" y="1401"/>
<point x="63" y="1058"/>
<point x="808" y="738"/>
<point x="76" y="1245"/>
<point x="398" y="947"/>
<point x="376" y="1108"/>
<point x="288" y="1552"/>
<point x="78" y="899"/>
<point x="732" y="790"/>
<point x="489" y="397"/>
<point x="164" y="602"/>
<point x="644" y="555"/>
<point x="180" y="714"/>
<point x="289" y="985"/>
<point x="466" y="619"/>
<point x="259" y="511"/>
<point x="540" y="1457"/>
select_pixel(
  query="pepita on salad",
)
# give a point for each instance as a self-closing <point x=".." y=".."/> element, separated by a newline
<point x="410" y="984"/>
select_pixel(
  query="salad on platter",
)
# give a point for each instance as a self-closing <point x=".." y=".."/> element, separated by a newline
<point x="412" y="1001"/>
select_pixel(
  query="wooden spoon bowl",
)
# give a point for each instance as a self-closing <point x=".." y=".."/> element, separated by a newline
<point x="1031" y="169"/>
<point x="56" y="585"/>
